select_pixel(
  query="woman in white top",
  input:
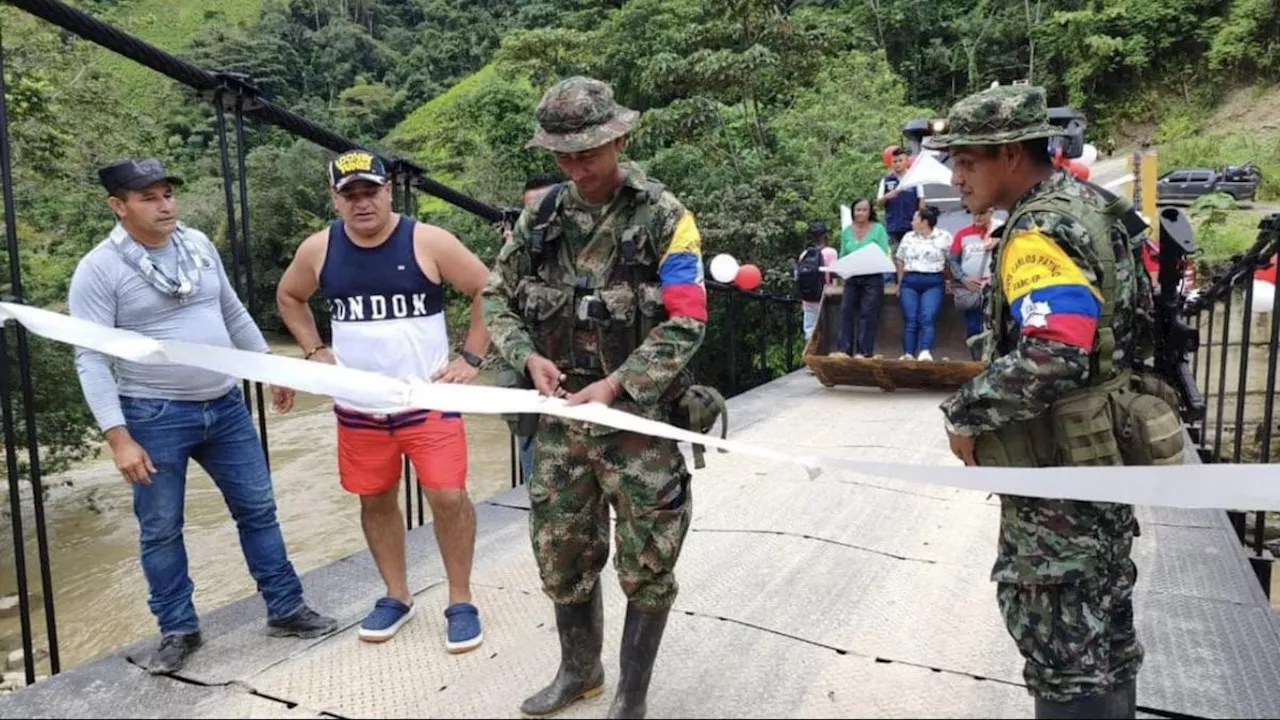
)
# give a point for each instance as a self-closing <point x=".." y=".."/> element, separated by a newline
<point x="921" y="259"/>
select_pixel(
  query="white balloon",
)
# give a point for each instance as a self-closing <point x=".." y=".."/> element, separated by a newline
<point x="724" y="268"/>
<point x="1264" y="296"/>
<point x="1089" y="155"/>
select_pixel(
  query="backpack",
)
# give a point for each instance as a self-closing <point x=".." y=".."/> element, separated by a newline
<point x="809" y="275"/>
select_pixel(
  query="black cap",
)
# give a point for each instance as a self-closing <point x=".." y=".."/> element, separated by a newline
<point x="356" y="165"/>
<point x="135" y="175"/>
<point x="817" y="227"/>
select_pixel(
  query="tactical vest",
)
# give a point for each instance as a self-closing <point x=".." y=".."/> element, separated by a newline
<point x="588" y="325"/>
<point x="1123" y="416"/>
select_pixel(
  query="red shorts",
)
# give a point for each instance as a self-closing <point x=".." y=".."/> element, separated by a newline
<point x="371" y="448"/>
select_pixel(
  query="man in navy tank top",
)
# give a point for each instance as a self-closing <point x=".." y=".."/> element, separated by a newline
<point x="383" y="277"/>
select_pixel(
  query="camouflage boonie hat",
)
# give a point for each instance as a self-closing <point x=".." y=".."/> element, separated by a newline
<point x="996" y="116"/>
<point x="578" y="114"/>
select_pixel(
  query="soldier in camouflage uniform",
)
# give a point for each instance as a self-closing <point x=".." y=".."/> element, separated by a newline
<point x="604" y="303"/>
<point x="1070" y="309"/>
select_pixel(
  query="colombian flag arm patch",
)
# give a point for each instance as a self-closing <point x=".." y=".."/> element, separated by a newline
<point x="680" y="272"/>
<point x="1049" y="297"/>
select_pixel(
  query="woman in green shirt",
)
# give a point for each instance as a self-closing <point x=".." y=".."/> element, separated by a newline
<point x="860" y="304"/>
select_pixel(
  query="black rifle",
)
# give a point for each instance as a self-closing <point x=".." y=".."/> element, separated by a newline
<point x="1175" y="341"/>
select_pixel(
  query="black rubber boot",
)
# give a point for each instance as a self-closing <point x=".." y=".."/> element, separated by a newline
<point x="1092" y="707"/>
<point x="581" y="675"/>
<point x="641" y="637"/>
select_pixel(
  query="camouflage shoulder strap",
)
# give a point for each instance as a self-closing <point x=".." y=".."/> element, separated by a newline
<point x="1098" y="225"/>
<point x="629" y="252"/>
<point x="541" y="221"/>
<point x="643" y="215"/>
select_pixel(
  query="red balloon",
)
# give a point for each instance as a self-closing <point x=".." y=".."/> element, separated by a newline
<point x="1267" y="272"/>
<point x="748" y="277"/>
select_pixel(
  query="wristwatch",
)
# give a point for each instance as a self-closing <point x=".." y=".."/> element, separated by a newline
<point x="472" y="359"/>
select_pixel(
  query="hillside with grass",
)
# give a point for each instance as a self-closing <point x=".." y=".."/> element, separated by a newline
<point x="1245" y="127"/>
<point x="172" y="27"/>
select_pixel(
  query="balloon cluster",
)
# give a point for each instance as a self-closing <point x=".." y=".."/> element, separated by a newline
<point x="725" y="269"/>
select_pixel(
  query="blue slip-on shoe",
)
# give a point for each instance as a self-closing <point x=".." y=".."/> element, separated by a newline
<point x="388" y="616"/>
<point x="464" y="628"/>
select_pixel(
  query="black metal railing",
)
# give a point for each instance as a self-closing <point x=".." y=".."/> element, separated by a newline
<point x="1235" y="370"/>
<point x="752" y="338"/>
<point x="29" y="421"/>
<point x="227" y="93"/>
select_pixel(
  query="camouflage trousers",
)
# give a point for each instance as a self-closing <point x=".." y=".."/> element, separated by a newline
<point x="1065" y="584"/>
<point x="576" y="478"/>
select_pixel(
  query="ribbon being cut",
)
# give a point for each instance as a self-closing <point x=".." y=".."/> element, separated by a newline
<point x="1219" y="486"/>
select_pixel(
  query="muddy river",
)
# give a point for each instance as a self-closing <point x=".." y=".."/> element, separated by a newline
<point x="98" y="584"/>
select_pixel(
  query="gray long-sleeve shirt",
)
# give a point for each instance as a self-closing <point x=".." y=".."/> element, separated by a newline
<point x="106" y="290"/>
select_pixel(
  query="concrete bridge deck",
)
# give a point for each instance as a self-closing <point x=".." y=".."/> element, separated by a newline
<point x="849" y="596"/>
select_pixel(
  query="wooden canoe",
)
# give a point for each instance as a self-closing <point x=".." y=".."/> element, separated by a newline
<point x="950" y="368"/>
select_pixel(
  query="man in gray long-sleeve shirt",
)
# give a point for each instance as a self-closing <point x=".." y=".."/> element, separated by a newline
<point x="155" y="276"/>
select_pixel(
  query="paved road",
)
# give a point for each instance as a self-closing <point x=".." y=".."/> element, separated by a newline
<point x="1104" y="171"/>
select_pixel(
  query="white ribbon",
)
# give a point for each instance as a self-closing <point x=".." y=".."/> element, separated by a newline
<point x="1225" y="486"/>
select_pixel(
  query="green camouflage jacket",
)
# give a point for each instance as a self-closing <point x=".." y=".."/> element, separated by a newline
<point x="589" y="245"/>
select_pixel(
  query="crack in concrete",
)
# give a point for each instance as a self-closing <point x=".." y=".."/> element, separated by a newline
<point x="243" y="687"/>
<point x="846" y="651"/>
<point x="233" y="686"/>
<point x="890" y="661"/>
<point x="504" y="505"/>
<point x="829" y="541"/>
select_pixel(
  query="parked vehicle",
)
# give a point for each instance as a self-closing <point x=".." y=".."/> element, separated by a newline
<point x="1186" y="184"/>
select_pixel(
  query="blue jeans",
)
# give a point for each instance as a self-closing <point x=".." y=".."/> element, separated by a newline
<point x="220" y="436"/>
<point x="860" y="313"/>
<point x="921" y="296"/>
<point x="972" y="322"/>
